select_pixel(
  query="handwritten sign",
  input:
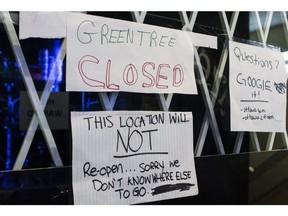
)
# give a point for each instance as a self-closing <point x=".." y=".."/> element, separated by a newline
<point x="123" y="157"/>
<point x="257" y="89"/>
<point x="42" y="24"/>
<point x="106" y="54"/>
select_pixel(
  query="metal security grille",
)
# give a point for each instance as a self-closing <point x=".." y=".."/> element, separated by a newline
<point x="210" y="72"/>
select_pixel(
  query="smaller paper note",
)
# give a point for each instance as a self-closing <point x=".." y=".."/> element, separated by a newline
<point x="257" y="88"/>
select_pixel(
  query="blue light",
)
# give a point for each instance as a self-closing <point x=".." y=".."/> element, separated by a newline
<point x="9" y="120"/>
<point x="47" y="59"/>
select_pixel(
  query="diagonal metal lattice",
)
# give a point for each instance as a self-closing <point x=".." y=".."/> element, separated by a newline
<point x="44" y="98"/>
<point x="33" y="96"/>
<point x="108" y="100"/>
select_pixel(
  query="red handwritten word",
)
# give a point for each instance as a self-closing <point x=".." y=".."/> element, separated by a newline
<point x="154" y="75"/>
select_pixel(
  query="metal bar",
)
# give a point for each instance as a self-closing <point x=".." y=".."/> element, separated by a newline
<point x="271" y="138"/>
<point x="19" y="162"/>
<point x="188" y="24"/>
<point x="193" y="17"/>
<point x="139" y="16"/>
<point x="184" y="19"/>
<point x="234" y="20"/>
<point x="259" y="24"/>
<point x="284" y="138"/>
<point x="169" y="99"/>
<point x="105" y="101"/>
<point x="208" y="104"/>
<point x="215" y="90"/>
<point x="226" y="24"/>
<point x="255" y="141"/>
<point x="162" y="102"/>
<point x="238" y="143"/>
<point x="113" y="98"/>
<point x="217" y="80"/>
<point x="267" y="25"/>
<point x="32" y="93"/>
<point x="284" y="18"/>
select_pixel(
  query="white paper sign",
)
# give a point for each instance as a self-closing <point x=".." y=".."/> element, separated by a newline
<point x="257" y="89"/>
<point x="125" y="157"/>
<point x="106" y="54"/>
<point x="42" y="24"/>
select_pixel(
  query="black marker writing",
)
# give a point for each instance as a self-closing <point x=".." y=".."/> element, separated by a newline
<point x="136" y="192"/>
<point x="135" y="143"/>
<point x="138" y="180"/>
<point x="153" y="165"/>
<point x="280" y="87"/>
<point x="253" y="110"/>
<point x="90" y="171"/>
<point x="253" y="82"/>
<point x="177" y="118"/>
<point x="260" y="101"/>
<point x="103" y="186"/>
<point x="171" y="187"/>
<point x="137" y="154"/>
<point x="99" y="122"/>
<point x="244" y="56"/>
<point x="277" y="64"/>
<point x="174" y="163"/>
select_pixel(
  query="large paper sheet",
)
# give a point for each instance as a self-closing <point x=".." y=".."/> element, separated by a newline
<point x="42" y="24"/>
<point x="257" y="89"/>
<point x="106" y="54"/>
<point x="125" y="157"/>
